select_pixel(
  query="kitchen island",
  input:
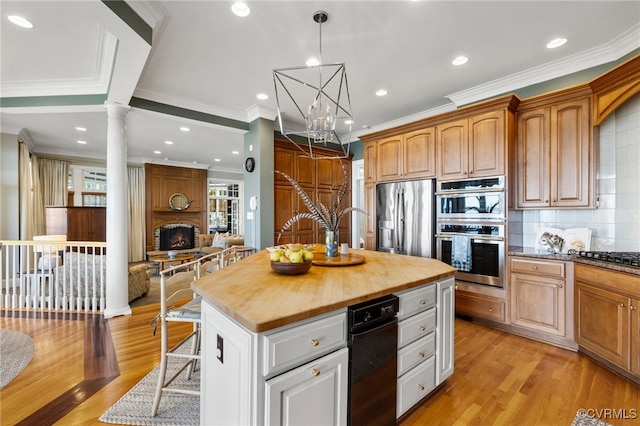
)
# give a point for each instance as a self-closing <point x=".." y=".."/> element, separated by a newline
<point x="274" y="347"/>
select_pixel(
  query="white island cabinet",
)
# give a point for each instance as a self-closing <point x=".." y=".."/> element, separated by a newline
<point x="291" y="375"/>
<point x="274" y="347"/>
<point x="425" y="341"/>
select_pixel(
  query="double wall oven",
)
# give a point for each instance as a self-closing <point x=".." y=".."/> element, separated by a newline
<point x="474" y="209"/>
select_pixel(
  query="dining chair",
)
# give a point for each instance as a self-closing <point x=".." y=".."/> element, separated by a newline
<point x="178" y="276"/>
<point x="173" y="308"/>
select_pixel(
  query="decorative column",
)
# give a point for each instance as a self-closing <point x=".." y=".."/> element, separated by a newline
<point x="117" y="287"/>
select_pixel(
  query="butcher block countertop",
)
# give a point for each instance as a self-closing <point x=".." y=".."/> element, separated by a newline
<point x="249" y="292"/>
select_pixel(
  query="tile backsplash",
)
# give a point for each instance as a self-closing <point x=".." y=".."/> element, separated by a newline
<point x="616" y="221"/>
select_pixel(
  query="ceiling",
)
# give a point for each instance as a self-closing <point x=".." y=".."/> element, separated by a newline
<point x="205" y="60"/>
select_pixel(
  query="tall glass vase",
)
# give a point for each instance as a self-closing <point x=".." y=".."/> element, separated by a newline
<point x="331" y="242"/>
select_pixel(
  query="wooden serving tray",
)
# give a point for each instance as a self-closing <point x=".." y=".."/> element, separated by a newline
<point x="320" y="259"/>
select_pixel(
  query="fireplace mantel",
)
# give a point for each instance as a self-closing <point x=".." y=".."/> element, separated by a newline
<point x="161" y="182"/>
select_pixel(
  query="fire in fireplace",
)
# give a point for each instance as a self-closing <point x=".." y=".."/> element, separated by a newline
<point x="177" y="238"/>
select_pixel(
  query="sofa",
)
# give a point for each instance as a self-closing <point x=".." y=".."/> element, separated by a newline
<point x="71" y="276"/>
<point x="214" y="243"/>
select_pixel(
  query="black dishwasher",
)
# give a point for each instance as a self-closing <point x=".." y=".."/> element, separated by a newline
<point x="373" y="346"/>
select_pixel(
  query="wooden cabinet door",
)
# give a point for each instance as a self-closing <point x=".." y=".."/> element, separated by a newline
<point x="99" y="228"/>
<point x="390" y="158"/>
<point x="324" y="172"/>
<point x="420" y="154"/>
<point x="570" y="153"/>
<point x="370" y="221"/>
<point x="452" y="150"/>
<point x="313" y="393"/>
<point x="370" y="158"/>
<point x="284" y="199"/>
<point x="284" y="160"/>
<point x="634" y="310"/>
<point x="532" y="154"/>
<point x="487" y="144"/>
<point x="602" y="323"/>
<point x="305" y="170"/>
<point x="538" y="303"/>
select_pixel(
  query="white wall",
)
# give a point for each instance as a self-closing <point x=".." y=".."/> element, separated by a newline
<point x="616" y="221"/>
<point x="9" y="187"/>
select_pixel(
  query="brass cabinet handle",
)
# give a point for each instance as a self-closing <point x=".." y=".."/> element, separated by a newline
<point x="315" y="372"/>
<point x="314" y="342"/>
<point x="422" y="354"/>
<point x="420" y="387"/>
<point x="560" y="286"/>
<point x="490" y="309"/>
<point x="631" y="307"/>
<point x="535" y="267"/>
<point x="622" y="305"/>
<point x="421" y="328"/>
<point x="422" y="302"/>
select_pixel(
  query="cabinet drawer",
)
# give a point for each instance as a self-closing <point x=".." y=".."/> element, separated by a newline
<point x="480" y="306"/>
<point x="296" y="345"/>
<point x="529" y="266"/>
<point x="415" y="327"/>
<point x="417" y="300"/>
<point x="415" y="385"/>
<point x="416" y="352"/>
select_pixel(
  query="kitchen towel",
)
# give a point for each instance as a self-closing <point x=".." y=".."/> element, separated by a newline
<point x="461" y="253"/>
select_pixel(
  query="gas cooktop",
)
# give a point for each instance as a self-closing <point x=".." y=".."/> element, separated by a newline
<point x="623" y="258"/>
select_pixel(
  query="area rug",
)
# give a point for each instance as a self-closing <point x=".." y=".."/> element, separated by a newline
<point x="583" y="419"/>
<point x="16" y="351"/>
<point x="134" y="408"/>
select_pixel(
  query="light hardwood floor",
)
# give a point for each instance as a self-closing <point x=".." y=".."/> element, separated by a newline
<point x="84" y="364"/>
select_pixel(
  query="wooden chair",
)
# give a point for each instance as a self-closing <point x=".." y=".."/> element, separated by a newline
<point x="187" y="312"/>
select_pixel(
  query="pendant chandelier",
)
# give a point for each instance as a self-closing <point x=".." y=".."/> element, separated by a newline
<point x="314" y="104"/>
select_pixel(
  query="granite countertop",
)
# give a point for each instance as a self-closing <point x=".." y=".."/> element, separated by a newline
<point x="542" y="254"/>
<point x="249" y="292"/>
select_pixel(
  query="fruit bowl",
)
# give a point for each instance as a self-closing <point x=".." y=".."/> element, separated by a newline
<point x="287" y="268"/>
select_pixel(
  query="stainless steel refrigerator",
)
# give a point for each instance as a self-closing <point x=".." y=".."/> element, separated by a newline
<point x="405" y="217"/>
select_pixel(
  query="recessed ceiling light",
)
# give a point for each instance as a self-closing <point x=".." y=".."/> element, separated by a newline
<point x="217" y="160"/>
<point x="381" y="92"/>
<point x="82" y="142"/>
<point x="20" y="21"/>
<point x="240" y="9"/>
<point x="348" y="121"/>
<point x="81" y="129"/>
<point x="366" y="126"/>
<point x="262" y="96"/>
<point x="235" y="152"/>
<point x="169" y="142"/>
<point x="557" y="42"/>
<point x="185" y="129"/>
<point x="157" y="152"/>
<point x="460" y="60"/>
<point x="312" y="62"/>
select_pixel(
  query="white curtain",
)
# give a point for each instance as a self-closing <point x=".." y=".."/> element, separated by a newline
<point x="136" y="204"/>
<point x="39" y="225"/>
<point x="54" y="175"/>
<point x="26" y="194"/>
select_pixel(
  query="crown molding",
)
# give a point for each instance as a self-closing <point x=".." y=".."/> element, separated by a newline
<point x="97" y="84"/>
<point x="256" y="111"/>
<point x="603" y="54"/>
<point x="402" y="121"/>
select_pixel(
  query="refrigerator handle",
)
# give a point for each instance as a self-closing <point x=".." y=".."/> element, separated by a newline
<point x="401" y="227"/>
<point x="396" y="243"/>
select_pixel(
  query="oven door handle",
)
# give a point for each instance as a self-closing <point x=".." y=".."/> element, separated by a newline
<point x="473" y="237"/>
<point x="470" y="191"/>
